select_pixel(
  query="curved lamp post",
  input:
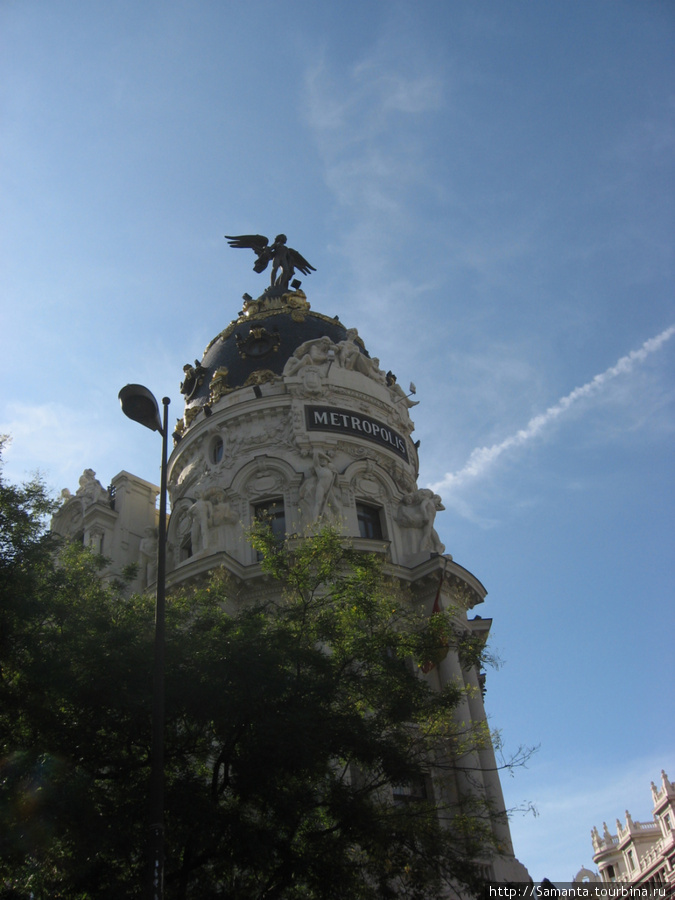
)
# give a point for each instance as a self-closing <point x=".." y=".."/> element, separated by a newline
<point x="139" y="404"/>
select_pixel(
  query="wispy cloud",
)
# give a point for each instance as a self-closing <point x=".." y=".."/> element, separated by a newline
<point x="366" y="123"/>
<point x="55" y="440"/>
<point x="483" y="458"/>
<point x="368" y="154"/>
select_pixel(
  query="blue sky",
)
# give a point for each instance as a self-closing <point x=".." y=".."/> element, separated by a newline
<point x="486" y="192"/>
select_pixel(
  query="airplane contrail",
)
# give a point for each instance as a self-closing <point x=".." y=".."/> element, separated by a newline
<point x="483" y="457"/>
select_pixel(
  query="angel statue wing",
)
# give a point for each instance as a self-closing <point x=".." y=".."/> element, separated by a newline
<point x="256" y="242"/>
<point x="285" y="260"/>
<point x="299" y="262"/>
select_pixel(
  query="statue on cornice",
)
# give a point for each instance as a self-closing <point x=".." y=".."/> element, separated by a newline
<point x="417" y="510"/>
<point x="91" y="490"/>
<point x="285" y="260"/>
<point x="312" y="353"/>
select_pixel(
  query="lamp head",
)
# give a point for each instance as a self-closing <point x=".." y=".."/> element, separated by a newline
<point x="139" y="404"/>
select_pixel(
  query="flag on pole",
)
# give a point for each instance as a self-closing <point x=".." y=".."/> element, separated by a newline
<point x="438" y="653"/>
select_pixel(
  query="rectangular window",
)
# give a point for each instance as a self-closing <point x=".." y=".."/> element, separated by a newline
<point x="410" y="792"/>
<point x="186" y="548"/>
<point x="370" y="522"/>
<point x="272" y="512"/>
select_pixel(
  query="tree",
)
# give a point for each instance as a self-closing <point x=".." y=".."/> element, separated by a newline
<point x="299" y="739"/>
<point x="73" y="712"/>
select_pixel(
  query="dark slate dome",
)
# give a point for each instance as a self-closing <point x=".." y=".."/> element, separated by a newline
<point x="256" y="346"/>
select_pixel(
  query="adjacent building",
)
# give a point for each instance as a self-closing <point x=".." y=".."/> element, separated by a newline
<point x="641" y="852"/>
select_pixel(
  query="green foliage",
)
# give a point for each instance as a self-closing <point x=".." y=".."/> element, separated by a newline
<point x="289" y="719"/>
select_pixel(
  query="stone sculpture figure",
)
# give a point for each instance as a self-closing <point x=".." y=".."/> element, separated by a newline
<point x="319" y="492"/>
<point x="233" y="440"/>
<point x="285" y="260"/>
<point x="348" y="352"/>
<point x="325" y="480"/>
<point x="220" y="511"/>
<point x="376" y="372"/>
<point x="199" y="517"/>
<point x="311" y="353"/>
<point x="348" y="355"/>
<point x="91" y="490"/>
<point x="397" y="392"/>
<point x="418" y="510"/>
<point x="221" y="517"/>
<point x="147" y="556"/>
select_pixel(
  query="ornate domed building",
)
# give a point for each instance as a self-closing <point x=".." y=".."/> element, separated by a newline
<point x="288" y="415"/>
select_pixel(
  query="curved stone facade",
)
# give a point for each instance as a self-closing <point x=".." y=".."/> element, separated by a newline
<point x="311" y="424"/>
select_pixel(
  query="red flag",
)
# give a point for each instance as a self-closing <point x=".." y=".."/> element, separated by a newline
<point x="438" y="654"/>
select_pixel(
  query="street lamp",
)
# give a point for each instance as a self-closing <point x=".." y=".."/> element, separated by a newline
<point x="139" y="404"/>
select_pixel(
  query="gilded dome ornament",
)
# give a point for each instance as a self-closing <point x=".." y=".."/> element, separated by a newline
<point x="260" y="376"/>
<point x="218" y="385"/>
<point x="178" y="431"/>
<point x="258" y="343"/>
<point x="191" y="414"/>
<point x="194" y="378"/>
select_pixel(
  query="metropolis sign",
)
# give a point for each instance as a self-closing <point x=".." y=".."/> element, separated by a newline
<point x="345" y="421"/>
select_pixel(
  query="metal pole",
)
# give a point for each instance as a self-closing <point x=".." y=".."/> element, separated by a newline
<point x="157" y="759"/>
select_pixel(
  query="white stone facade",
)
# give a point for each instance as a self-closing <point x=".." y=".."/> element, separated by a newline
<point x="319" y="442"/>
<point x="640" y="852"/>
<point x="119" y="522"/>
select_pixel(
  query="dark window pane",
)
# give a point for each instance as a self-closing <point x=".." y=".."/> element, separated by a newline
<point x="370" y="523"/>
<point x="272" y="512"/>
<point x="217" y="450"/>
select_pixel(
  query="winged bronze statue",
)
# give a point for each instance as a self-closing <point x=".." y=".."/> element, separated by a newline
<point x="285" y="260"/>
